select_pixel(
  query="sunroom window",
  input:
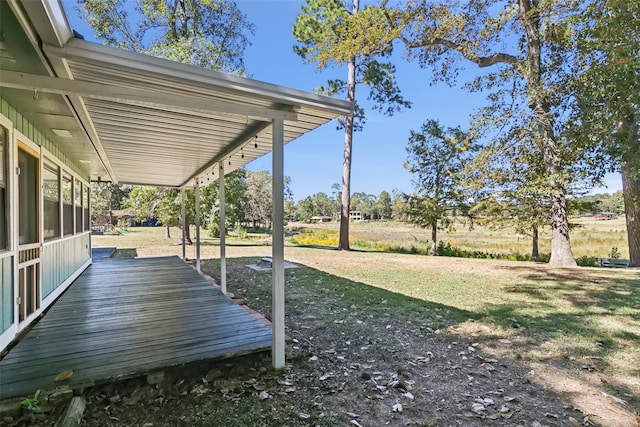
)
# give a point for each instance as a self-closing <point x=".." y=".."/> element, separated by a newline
<point x="67" y="205"/>
<point x="4" y="218"/>
<point x="51" y="196"/>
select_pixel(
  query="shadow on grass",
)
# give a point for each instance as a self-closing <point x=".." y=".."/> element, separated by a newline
<point x="354" y="295"/>
<point x="582" y="312"/>
<point x="590" y="316"/>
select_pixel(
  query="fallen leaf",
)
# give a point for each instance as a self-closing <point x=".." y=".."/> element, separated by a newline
<point x="64" y="375"/>
<point x="507" y="415"/>
<point x="304" y="416"/>
<point x="397" y="407"/>
<point x="408" y="396"/>
<point x="355" y="423"/>
<point x="264" y="395"/>
<point x="477" y="407"/>
<point x="574" y="422"/>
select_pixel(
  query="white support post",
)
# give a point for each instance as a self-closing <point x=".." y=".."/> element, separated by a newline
<point x="223" y="232"/>
<point x="277" y="248"/>
<point x="197" y="196"/>
<point x="182" y="230"/>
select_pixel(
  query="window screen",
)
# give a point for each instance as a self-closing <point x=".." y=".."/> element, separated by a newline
<point x="67" y="205"/>
<point x="4" y="218"/>
<point x="51" y="197"/>
<point x="28" y="197"/>
<point x="77" y="189"/>
<point x="85" y="205"/>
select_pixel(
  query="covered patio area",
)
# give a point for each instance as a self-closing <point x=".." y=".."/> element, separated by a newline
<point x="129" y="317"/>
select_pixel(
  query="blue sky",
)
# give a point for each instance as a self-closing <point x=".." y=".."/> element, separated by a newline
<point x="314" y="161"/>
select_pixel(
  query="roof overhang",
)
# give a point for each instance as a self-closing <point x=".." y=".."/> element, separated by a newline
<point x="150" y="121"/>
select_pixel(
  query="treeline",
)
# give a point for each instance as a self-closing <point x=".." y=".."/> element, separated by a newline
<point x="561" y="85"/>
<point x="369" y="206"/>
<point x="248" y="202"/>
<point x="602" y="202"/>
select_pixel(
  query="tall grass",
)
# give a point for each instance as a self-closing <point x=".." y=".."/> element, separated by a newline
<point x="589" y="239"/>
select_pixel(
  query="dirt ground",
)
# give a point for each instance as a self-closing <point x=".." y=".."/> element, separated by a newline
<point x="346" y="366"/>
<point x="354" y="358"/>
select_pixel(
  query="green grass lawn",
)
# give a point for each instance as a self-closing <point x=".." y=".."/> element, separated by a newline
<point x="573" y="326"/>
<point x="567" y="313"/>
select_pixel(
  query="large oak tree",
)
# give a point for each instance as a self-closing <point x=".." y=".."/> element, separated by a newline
<point x="606" y="79"/>
<point x="514" y="37"/>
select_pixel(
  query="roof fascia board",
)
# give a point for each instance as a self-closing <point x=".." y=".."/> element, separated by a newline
<point x="82" y="50"/>
<point x="49" y="20"/>
<point x="141" y="97"/>
<point x="57" y="67"/>
<point x="29" y="31"/>
<point x="239" y="142"/>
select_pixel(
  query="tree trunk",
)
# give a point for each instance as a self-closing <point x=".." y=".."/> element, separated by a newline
<point x="343" y="242"/>
<point x="561" y="254"/>
<point x="535" y="255"/>
<point x="185" y="232"/>
<point x="630" y="170"/>
<point x="434" y="237"/>
<point x="167" y="232"/>
<point x="631" y="192"/>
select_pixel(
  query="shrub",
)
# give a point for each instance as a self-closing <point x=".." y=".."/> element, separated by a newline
<point x="214" y="229"/>
<point x="587" y="261"/>
<point x="240" y="232"/>
<point x="615" y="253"/>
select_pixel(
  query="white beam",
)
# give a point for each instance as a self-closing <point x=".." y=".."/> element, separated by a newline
<point x="277" y="248"/>
<point x="140" y="97"/>
<point x="231" y="148"/>
<point x="223" y="234"/>
<point x="197" y="197"/>
<point x="182" y="221"/>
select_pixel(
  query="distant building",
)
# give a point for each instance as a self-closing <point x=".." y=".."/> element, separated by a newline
<point x="320" y="219"/>
<point x="356" y="216"/>
<point x="606" y="215"/>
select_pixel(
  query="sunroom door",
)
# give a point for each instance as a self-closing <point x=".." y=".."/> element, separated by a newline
<point x="29" y="269"/>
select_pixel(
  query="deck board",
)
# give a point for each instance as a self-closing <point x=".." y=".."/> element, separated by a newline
<point x="125" y="317"/>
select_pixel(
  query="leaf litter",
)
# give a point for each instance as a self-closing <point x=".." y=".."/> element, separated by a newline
<point x="360" y="363"/>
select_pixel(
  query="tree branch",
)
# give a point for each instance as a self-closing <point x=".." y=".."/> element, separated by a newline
<point x="481" y="61"/>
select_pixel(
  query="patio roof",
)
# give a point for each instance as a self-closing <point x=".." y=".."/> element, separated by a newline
<point x="137" y="119"/>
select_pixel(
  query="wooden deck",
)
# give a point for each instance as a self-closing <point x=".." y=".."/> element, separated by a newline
<point x="127" y="317"/>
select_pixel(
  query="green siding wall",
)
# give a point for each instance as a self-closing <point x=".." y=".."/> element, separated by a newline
<point x="60" y="259"/>
<point x="31" y="132"/>
<point x="6" y="293"/>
